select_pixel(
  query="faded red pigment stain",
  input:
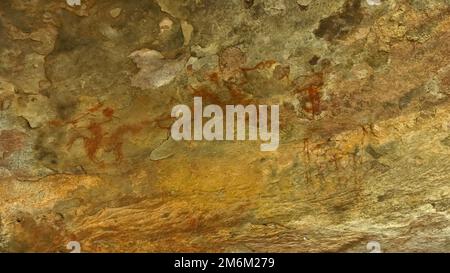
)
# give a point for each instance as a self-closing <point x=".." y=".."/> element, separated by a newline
<point x="96" y="108"/>
<point x="261" y="65"/>
<point x="10" y="141"/>
<point x="190" y="70"/>
<point x="214" y="77"/>
<point x="56" y="123"/>
<point x="110" y="142"/>
<point x="108" y="112"/>
<point x="91" y="144"/>
<point x="310" y="94"/>
<point x="314" y="100"/>
<point x="238" y="96"/>
<point x="97" y="137"/>
<point x="206" y="94"/>
<point x="233" y="78"/>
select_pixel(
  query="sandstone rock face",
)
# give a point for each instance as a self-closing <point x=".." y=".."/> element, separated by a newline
<point x="86" y="92"/>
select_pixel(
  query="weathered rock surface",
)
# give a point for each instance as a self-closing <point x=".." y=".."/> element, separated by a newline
<point x="86" y="92"/>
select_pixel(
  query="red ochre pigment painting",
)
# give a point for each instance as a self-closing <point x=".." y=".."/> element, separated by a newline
<point x="93" y="93"/>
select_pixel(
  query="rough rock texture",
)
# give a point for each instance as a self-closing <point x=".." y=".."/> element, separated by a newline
<point x="86" y="92"/>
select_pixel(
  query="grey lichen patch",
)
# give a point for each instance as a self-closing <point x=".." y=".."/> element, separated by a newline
<point x="155" y="70"/>
<point x="73" y="3"/>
